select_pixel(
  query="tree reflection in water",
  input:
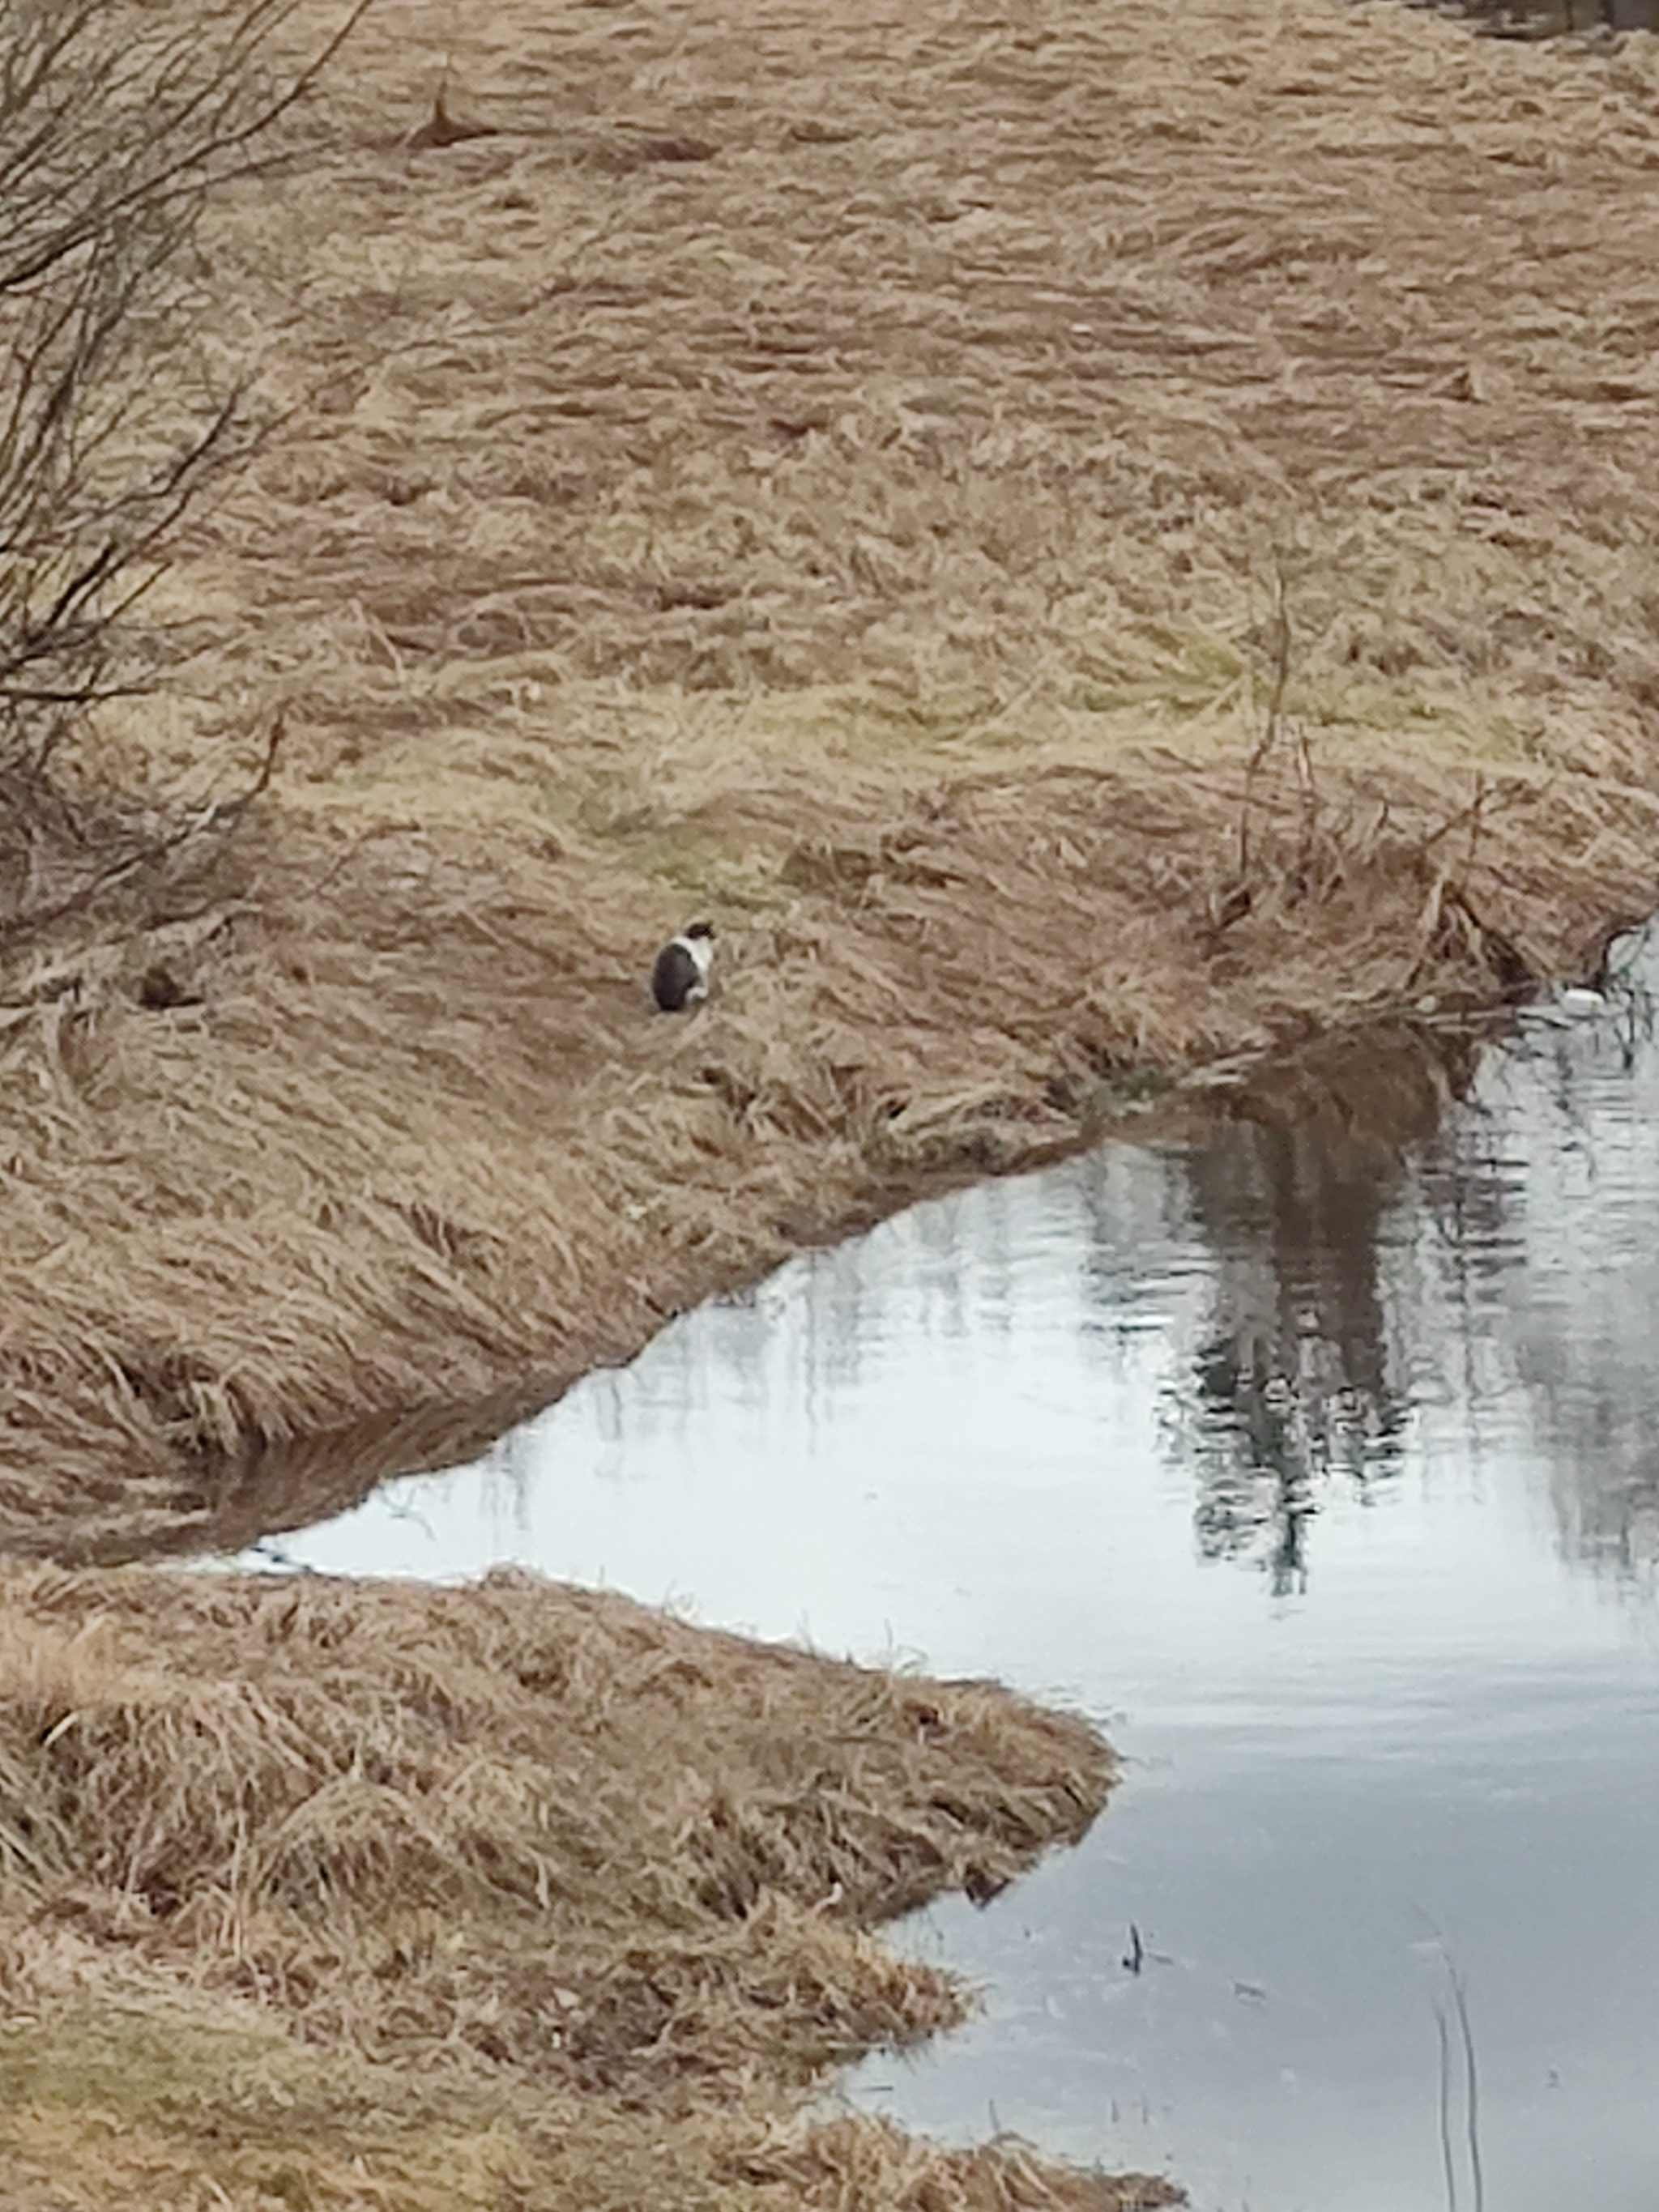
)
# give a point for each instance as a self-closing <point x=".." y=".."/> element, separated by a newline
<point x="1578" y="1113"/>
<point x="1293" y="1384"/>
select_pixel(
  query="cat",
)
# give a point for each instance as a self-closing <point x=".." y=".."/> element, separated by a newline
<point x="679" y="976"/>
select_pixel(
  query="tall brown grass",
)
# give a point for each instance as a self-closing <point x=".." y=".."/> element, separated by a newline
<point x="840" y="478"/>
<point x="571" y="1896"/>
<point x="1090" y="542"/>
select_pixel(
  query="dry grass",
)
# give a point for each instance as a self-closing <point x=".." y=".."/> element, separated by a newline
<point x="843" y="470"/>
<point x="837" y="471"/>
<point x="512" y="1896"/>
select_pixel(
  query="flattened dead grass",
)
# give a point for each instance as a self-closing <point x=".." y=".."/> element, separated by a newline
<point x="338" y="1894"/>
<point x="836" y="475"/>
<point x="837" y="471"/>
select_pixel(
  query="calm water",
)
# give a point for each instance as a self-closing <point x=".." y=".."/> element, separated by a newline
<point x="1328" y="1478"/>
<point x="1551" y="18"/>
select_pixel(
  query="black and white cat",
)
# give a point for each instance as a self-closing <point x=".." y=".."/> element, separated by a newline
<point x="680" y="975"/>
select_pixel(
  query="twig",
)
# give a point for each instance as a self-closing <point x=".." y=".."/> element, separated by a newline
<point x="1269" y="736"/>
<point x="1448" y="2162"/>
<point x="1474" y="822"/>
<point x="221" y="818"/>
<point x="1471" y="2079"/>
<point x="1472" y="2084"/>
<point x="343" y="860"/>
<point x="1473" y="812"/>
<point x="1310" y="802"/>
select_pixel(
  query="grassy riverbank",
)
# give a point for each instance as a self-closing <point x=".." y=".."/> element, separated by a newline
<point x="324" y="1896"/>
<point x="845" y="477"/>
<point x="1086" y="542"/>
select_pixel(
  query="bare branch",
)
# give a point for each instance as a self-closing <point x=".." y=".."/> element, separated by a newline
<point x="212" y="822"/>
<point x="119" y="121"/>
<point x="1269" y="738"/>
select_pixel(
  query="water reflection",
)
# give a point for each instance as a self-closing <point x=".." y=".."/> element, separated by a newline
<point x="1289" y="1386"/>
<point x="1320" y="1458"/>
<point x="1579" y="1312"/>
<point x="1293" y="1385"/>
<point x="1374" y="1226"/>
<point x="1547" y="19"/>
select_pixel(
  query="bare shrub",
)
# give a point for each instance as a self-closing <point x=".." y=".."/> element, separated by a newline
<point x="118" y="122"/>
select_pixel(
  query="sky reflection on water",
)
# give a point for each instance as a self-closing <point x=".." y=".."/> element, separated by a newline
<point x="1327" y="1474"/>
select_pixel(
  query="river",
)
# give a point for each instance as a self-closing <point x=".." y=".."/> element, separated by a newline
<point x="1323" y="1469"/>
